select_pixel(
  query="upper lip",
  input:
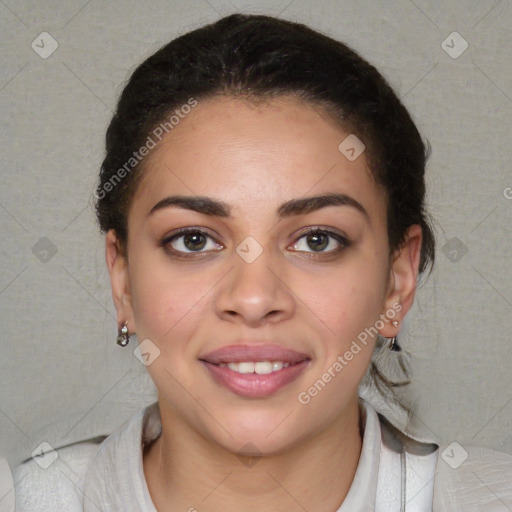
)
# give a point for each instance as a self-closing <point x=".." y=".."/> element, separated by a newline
<point x="250" y="352"/>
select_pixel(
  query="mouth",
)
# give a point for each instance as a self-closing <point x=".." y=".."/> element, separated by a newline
<point x="255" y="370"/>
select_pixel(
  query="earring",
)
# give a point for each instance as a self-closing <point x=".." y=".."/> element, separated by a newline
<point x="393" y="343"/>
<point x="123" y="337"/>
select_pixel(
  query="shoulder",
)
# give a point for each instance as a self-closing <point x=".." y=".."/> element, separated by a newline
<point x="53" y="480"/>
<point x="463" y="478"/>
<point x="408" y="464"/>
<point x="6" y="487"/>
<point x="58" y="479"/>
<point x="115" y="476"/>
<point x="471" y="477"/>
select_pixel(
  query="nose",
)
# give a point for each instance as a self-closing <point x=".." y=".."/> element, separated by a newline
<point x="255" y="293"/>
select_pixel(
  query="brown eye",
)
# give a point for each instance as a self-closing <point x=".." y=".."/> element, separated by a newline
<point x="318" y="240"/>
<point x="190" y="240"/>
<point x="194" y="241"/>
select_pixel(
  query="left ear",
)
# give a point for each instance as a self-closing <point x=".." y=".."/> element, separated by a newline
<point x="117" y="263"/>
<point x="403" y="279"/>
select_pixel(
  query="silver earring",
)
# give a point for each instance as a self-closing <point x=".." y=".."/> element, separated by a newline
<point x="123" y="337"/>
<point x="393" y="342"/>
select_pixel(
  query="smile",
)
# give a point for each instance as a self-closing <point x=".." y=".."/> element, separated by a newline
<point x="255" y="371"/>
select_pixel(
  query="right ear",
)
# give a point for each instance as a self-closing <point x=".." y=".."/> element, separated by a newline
<point x="117" y="264"/>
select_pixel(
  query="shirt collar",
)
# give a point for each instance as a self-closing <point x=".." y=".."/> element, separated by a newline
<point x="362" y="493"/>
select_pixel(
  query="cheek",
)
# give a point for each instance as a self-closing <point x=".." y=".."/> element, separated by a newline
<point x="152" y="306"/>
<point x="346" y="344"/>
<point x="347" y="301"/>
<point x="168" y="302"/>
<point x="345" y="304"/>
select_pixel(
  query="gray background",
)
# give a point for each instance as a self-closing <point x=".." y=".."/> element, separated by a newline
<point x="62" y="376"/>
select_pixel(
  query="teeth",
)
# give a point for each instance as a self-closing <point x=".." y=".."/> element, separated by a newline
<point x="259" y="367"/>
<point x="277" y="365"/>
<point x="245" y="367"/>
<point x="263" y="367"/>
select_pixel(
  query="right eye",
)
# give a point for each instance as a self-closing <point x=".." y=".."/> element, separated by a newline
<point x="189" y="241"/>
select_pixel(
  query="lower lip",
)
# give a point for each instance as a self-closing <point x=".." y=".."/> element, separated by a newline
<point x="255" y="385"/>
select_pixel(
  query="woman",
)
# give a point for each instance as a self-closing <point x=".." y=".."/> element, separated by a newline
<point x="262" y="197"/>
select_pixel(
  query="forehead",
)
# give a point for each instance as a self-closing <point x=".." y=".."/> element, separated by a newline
<point x="246" y="154"/>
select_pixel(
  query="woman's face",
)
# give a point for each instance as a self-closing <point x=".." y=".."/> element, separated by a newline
<point x="248" y="284"/>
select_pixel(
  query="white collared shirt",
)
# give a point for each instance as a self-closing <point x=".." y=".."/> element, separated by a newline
<point x="394" y="473"/>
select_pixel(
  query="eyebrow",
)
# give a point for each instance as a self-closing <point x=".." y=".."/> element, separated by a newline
<point x="213" y="207"/>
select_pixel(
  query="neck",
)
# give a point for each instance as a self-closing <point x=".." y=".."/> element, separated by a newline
<point x="192" y="473"/>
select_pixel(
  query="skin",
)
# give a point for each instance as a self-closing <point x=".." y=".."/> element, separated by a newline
<point x="254" y="158"/>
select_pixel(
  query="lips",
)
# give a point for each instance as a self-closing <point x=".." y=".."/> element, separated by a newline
<point x="242" y="353"/>
<point x="290" y="365"/>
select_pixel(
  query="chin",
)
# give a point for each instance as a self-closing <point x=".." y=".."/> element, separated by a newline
<point x="257" y="433"/>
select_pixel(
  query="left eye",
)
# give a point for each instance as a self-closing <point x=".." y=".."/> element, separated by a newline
<point x="319" y="240"/>
<point x="191" y="240"/>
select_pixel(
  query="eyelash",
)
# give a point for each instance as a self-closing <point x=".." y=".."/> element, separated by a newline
<point x="342" y="240"/>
